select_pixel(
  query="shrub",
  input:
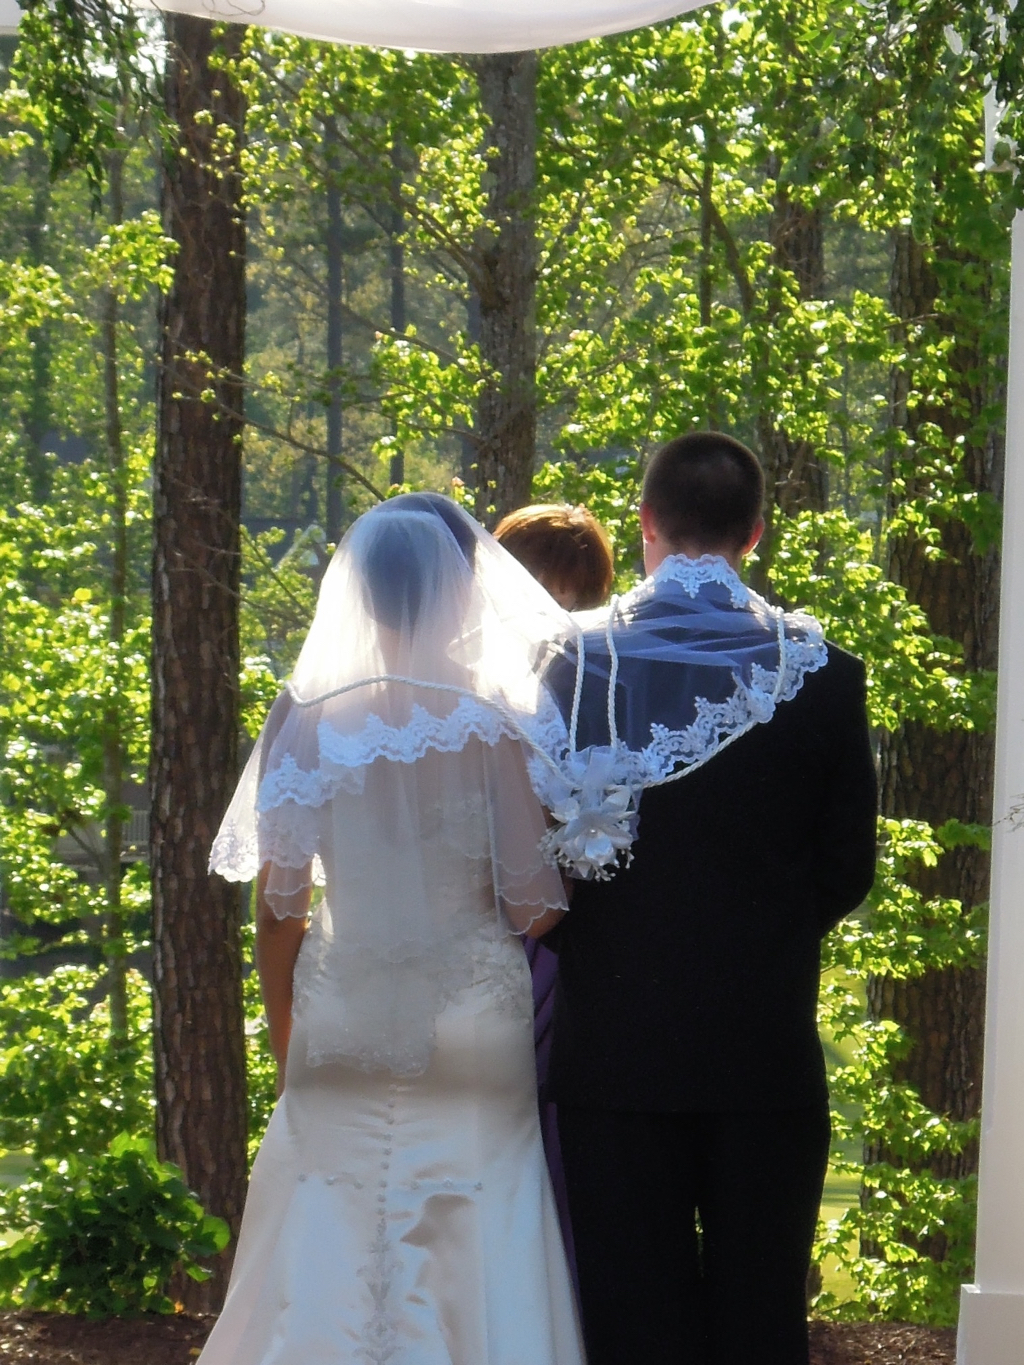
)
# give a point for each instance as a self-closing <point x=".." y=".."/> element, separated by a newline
<point x="65" y="1087"/>
<point x="103" y="1235"/>
<point x="886" y="1241"/>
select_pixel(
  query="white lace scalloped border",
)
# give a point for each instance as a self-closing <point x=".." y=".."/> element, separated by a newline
<point x="694" y="574"/>
<point x="343" y="757"/>
<point x="672" y="754"/>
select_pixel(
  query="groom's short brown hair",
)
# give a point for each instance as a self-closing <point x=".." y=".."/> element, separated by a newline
<point x="705" y="490"/>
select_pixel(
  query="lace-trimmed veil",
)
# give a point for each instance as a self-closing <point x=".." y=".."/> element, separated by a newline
<point x="655" y="686"/>
<point x="392" y="771"/>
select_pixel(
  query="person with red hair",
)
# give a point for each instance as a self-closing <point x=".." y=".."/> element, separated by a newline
<point x="568" y="551"/>
<point x="565" y="548"/>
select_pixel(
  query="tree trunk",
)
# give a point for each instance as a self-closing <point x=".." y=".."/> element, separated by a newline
<point x="113" y="719"/>
<point x="198" y="1016"/>
<point x="396" y="276"/>
<point x="335" y="302"/>
<point x="506" y="423"/>
<point x="934" y="775"/>
<point x="467" y="440"/>
<point x="706" y="286"/>
<point x="795" y="479"/>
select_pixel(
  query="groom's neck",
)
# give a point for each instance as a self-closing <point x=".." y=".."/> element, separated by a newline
<point x="658" y="546"/>
<point x="656" y="552"/>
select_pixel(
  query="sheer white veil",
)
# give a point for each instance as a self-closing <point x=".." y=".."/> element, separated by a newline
<point x="392" y="770"/>
<point x="653" y="687"/>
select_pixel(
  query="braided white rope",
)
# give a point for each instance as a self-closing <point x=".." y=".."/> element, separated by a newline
<point x="613" y="674"/>
<point x="577" y="694"/>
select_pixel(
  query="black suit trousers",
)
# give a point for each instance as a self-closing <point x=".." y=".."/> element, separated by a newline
<point x="693" y="1232"/>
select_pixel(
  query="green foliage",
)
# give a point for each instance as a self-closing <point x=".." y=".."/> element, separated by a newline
<point x="64" y="1089"/>
<point x="827" y="564"/>
<point x="904" y="1213"/>
<point x="610" y="489"/>
<point x="909" y="1244"/>
<point x="75" y="63"/>
<point x="278" y="600"/>
<point x="261" y="1069"/>
<point x="104" y="1235"/>
<point x="60" y="678"/>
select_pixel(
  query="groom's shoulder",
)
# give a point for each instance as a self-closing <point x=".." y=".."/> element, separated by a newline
<point x="841" y="669"/>
<point x="839" y="685"/>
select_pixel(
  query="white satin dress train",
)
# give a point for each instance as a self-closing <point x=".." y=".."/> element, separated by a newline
<point x="407" y="1221"/>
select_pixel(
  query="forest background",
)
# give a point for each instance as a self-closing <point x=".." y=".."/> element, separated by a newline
<point x="249" y="285"/>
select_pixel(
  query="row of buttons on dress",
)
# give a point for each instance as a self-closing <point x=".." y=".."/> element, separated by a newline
<point x="447" y="1184"/>
<point x="382" y="1185"/>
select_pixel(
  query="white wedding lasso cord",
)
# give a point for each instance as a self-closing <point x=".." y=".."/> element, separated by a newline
<point x="613" y="672"/>
<point x="595" y="813"/>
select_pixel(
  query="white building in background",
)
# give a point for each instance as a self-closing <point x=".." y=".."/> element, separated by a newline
<point x="10" y="13"/>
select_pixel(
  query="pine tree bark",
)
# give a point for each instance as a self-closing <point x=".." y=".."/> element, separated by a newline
<point x="934" y="775"/>
<point x="798" y="245"/>
<point x="506" y="258"/>
<point x="467" y="440"/>
<point x="796" y="480"/>
<point x="114" y="747"/>
<point x="198" y="1016"/>
<point x="335" y="336"/>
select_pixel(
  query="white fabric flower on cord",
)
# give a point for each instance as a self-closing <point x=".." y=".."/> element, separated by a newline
<point x="595" y="807"/>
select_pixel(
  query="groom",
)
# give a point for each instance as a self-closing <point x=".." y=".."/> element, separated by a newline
<point x="690" y="1082"/>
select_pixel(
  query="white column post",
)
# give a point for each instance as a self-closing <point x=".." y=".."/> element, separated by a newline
<point x="10" y="14"/>
<point x="991" y="1330"/>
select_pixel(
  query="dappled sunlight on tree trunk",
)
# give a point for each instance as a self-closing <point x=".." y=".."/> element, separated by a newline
<point x="934" y="775"/>
<point x="506" y="258"/>
<point x="198" y="1021"/>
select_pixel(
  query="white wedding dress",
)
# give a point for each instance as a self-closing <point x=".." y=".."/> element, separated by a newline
<point x="400" y="1211"/>
<point x="406" y="1220"/>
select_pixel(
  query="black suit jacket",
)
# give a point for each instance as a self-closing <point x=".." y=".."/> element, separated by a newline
<point x="689" y="981"/>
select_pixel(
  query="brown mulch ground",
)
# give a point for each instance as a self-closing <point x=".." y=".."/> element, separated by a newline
<point x="53" y="1339"/>
<point x="882" y="1343"/>
<point x="60" y="1339"/>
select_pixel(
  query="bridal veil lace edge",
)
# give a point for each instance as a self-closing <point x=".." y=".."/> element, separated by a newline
<point x="440" y="700"/>
<point x="536" y="676"/>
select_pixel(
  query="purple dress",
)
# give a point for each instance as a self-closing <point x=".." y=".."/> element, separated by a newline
<point x="544" y="970"/>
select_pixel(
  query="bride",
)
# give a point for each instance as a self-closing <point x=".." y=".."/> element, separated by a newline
<point x="400" y="1211"/>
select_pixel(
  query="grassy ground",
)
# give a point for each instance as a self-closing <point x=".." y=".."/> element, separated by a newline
<point x="841" y="1191"/>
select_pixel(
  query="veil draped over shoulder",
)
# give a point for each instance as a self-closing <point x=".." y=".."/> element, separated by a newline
<point x="652" y="687"/>
<point x="441" y="700"/>
<point x="392" y="772"/>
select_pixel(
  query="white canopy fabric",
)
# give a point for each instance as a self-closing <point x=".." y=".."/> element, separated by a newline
<point x="440" y="25"/>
